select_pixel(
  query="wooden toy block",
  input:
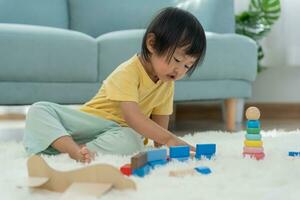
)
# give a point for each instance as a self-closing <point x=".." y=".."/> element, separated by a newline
<point x="205" y="149"/>
<point x="182" y="172"/>
<point x="92" y="181"/>
<point x="126" y="169"/>
<point x="139" y="160"/>
<point x="157" y="154"/>
<point x="179" y="151"/>
<point x="203" y="170"/>
<point x="253" y="124"/>
<point x="294" y="153"/>
<point x="182" y="159"/>
<point x="252" y="113"/>
<point x="253" y="136"/>
<point x="142" y="171"/>
<point x="257" y="156"/>
<point x="204" y="156"/>
<point x="253" y="149"/>
<point x="253" y="143"/>
<point x="253" y="146"/>
<point x="253" y="130"/>
<point x="190" y="172"/>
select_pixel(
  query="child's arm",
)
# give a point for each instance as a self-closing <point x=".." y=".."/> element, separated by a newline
<point x="146" y="127"/>
<point x="163" y="121"/>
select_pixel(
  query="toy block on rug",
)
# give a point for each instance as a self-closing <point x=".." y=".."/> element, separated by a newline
<point x="139" y="164"/>
<point x="157" y="157"/>
<point x="253" y="145"/>
<point x="143" y="162"/>
<point x="186" y="172"/>
<point x="142" y="171"/>
<point x="139" y="160"/>
<point x="94" y="180"/>
<point x="180" y="153"/>
<point x="294" y="153"/>
<point x="205" y="151"/>
<point x="126" y="169"/>
<point x="157" y="154"/>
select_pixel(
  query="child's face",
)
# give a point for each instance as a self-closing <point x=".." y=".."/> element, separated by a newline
<point x="178" y="66"/>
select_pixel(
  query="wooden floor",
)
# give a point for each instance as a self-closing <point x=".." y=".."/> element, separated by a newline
<point x="13" y="129"/>
<point x="195" y="117"/>
<point x="191" y="126"/>
<point x="192" y="118"/>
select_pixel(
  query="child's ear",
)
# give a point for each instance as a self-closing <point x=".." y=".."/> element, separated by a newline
<point x="150" y="42"/>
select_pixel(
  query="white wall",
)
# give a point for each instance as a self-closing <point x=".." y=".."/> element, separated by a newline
<point x="277" y="85"/>
<point x="281" y="81"/>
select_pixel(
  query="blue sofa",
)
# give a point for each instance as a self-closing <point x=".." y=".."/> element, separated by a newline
<point x="61" y="50"/>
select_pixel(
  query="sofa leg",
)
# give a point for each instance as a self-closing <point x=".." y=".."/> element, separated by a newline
<point x="230" y="114"/>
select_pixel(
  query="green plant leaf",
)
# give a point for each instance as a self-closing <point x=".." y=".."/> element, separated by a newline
<point x="269" y="9"/>
<point x="256" y="22"/>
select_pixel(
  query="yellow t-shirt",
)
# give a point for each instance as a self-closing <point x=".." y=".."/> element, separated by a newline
<point x="130" y="82"/>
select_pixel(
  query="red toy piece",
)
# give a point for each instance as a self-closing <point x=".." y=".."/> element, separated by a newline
<point x="126" y="169"/>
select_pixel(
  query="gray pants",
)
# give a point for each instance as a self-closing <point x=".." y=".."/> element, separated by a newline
<point x="46" y="122"/>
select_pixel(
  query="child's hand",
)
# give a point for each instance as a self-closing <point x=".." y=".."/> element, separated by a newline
<point x="175" y="141"/>
<point x="157" y="145"/>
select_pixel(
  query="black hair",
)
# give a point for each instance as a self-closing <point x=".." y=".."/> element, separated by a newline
<point x="176" y="28"/>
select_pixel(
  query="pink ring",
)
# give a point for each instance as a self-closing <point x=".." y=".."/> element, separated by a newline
<point x="253" y="149"/>
<point x="257" y="156"/>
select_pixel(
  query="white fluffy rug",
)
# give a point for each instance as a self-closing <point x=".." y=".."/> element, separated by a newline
<point x="233" y="177"/>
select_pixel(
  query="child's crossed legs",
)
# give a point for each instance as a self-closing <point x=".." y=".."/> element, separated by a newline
<point x="52" y="128"/>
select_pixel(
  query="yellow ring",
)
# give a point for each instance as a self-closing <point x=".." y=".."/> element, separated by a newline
<point x="253" y="143"/>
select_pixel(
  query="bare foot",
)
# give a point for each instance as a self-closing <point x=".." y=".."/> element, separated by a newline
<point x="87" y="155"/>
<point x="83" y="155"/>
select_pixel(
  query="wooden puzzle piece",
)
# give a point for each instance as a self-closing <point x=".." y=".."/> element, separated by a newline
<point x="36" y="181"/>
<point x="79" y="191"/>
<point x="95" y="179"/>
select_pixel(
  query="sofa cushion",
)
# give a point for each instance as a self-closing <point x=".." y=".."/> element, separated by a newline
<point x="228" y="56"/>
<point x="42" y="54"/>
<point x="52" y="13"/>
<point x="95" y="17"/>
<point x="22" y="93"/>
<point x="117" y="47"/>
<point x="208" y="89"/>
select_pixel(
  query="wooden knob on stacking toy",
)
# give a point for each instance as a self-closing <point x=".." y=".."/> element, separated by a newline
<point x="252" y="113"/>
